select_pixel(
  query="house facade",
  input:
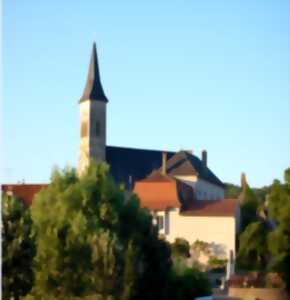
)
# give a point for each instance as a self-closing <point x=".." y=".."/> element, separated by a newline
<point x="180" y="213"/>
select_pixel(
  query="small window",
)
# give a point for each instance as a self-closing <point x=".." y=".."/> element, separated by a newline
<point x="160" y="222"/>
<point x="98" y="128"/>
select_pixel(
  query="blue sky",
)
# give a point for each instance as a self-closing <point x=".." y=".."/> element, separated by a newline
<point x="187" y="74"/>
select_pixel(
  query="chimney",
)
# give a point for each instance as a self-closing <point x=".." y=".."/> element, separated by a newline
<point x="204" y="157"/>
<point x="164" y="159"/>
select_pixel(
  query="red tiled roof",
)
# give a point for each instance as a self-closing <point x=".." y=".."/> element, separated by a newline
<point x="158" y="192"/>
<point x="157" y="195"/>
<point x="24" y="192"/>
<point x="220" y="208"/>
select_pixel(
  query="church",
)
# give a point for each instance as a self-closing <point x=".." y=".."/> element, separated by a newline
<point x="128" y="165"/>
<point x="185" y="198"/>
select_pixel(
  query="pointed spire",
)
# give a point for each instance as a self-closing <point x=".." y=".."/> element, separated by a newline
<point x="93" y="89"/>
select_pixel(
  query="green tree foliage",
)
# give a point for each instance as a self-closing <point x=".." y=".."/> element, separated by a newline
<point x="265" y="248"/>
<point x="279" y="238"/>
<point x="180" y="247"/>
<point x="253" y="252"/>
<point x="216" y="263"/>
<point x="249" y="206"/>
<point x="188" y="285"/>
<point x="232" y="190"/>
<point x="185" y="283"/>
<point x="92" y="242"/>
<point x="261" y="193"/>
<point x="17" y="249"/>
<point x="180" y="252"/>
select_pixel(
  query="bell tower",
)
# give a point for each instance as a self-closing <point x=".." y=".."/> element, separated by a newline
<point x="92" y="117"/>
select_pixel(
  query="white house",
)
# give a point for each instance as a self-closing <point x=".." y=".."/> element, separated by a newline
<point x="187" y="206"/>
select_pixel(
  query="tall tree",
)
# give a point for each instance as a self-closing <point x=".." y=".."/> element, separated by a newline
<point x="91" y="240"/>
<point x="253" y="252"/>
<point x="249" y="204"/>
<point x="279" y="240"/>
<point x="17" y="249"/>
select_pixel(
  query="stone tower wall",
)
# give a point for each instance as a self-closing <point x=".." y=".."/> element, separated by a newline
<point x="92" y="133"/>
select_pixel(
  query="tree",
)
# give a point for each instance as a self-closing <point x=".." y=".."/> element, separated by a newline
<point x="91" y="240"/>
<point x="249" y="206"/>
<point x="180" y="247"/>
<point x="188" y="285"/>
<point x="232" y="190"/>
<point x="180" y="253"/>
<point x="279" y="238"/>
<point x="253" y="252"/>
<point x="18" y="249"/>
<point x="267" y="247"/>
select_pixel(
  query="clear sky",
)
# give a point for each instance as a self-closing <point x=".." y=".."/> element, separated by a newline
<point x="186" y="74"/>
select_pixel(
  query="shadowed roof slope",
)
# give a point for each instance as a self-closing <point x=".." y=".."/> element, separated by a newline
<point x="186" y="164"/>
<point x="93" y="89"/>
<point x="137" y="164"/>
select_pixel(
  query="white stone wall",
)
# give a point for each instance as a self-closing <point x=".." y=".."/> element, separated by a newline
<point x="204" y="190"/>
<point x="219" y="230"/>
<point x="207" y="191"/>
<point x="92" y="143"/>
<point x="84" y="139"/>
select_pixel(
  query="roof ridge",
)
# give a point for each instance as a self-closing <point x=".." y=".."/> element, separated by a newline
<point x="140" y="149"/>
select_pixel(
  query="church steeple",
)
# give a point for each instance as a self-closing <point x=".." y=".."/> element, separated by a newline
<point x="93" y="115"/>
<point x="93" y="90"/>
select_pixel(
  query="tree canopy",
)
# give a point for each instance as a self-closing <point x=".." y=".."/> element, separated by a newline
<point x="180" y="247"/>
<point x="253" y="252"/>
<point x="91" y="240"/>
<point x="249" y="206"/>
<point x="279" y="239"/>
<point x="86" y="238"/>
<point x="17" y="249"/>
<point x="265" y="244"/>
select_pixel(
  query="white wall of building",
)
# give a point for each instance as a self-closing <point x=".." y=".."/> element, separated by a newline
<point x="204" y="190"/>
<point x="218" y="230"/>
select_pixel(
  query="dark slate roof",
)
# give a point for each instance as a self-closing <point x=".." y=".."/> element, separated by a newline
<point x="139" y="163"/>
<point x="184" y="163"/>
<point x="93" y="89"/>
